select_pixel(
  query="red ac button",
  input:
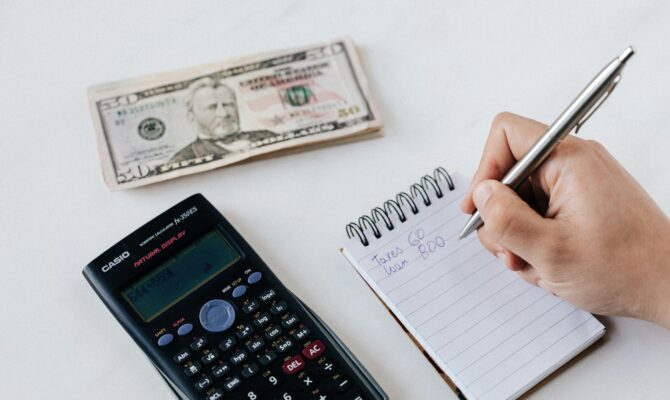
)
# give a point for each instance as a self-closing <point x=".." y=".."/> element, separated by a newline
<point x="313" y="350"/>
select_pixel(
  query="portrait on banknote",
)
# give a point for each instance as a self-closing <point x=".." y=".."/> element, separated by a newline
<point x="212" y="106"/>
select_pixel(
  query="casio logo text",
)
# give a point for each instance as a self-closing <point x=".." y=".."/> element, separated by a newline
<point x="115" y="261"/>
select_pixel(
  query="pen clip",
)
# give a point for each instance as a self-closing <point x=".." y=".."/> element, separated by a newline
<point x="599" y="103"/>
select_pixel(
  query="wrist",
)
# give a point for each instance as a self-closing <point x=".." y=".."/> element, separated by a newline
<point x="660" y="299"/>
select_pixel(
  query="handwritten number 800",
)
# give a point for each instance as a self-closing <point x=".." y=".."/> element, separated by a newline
<point x="425" y="247"/>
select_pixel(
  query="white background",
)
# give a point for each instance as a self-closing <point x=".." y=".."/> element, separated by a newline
<point x="440" y="71"/>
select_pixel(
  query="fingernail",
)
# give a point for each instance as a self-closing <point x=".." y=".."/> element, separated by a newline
<point x="501" y="255"/>
<point x="481" y="194"/>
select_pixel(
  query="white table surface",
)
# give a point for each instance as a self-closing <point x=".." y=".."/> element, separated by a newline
<point x="440" y="71"/>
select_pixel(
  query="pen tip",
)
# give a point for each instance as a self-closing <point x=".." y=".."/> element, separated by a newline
<point x="628" y="53"/>
<point x="465" y="232"/>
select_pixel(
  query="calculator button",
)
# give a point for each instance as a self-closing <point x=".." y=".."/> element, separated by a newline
<point x="185" y="329"/>
<point x="278" y="308"/>
<point x="293" y="365"/>
<point x="165" y="339"/>
<point x="199" y="343"/>
<point x="290" y="321"/>
<point x="273" y="332"/>
<point x="239" y="291"/>
<point x="271" y="380"/>
<point x="182" y="356"/>
<point x="192" y="368"/>
<point x="232" y="382"/>
<point x="220" y="370"/>
<point x="216" y="394"/>
<point x="203" y="383"/>
<point x="313" y="350"/>
<point x="244" y="331"/>
<point x="342" y="384"/>
<point x="268" y="295"/>
<point x="250" y="306"/>
<point x="252" y="395"/>
<point x="255" y="344"/>
<point x="358" y="396"/>
<point x="306" y="382"/>
<point x="250" y="370"/>
<point x="262" y="319"/>
<point x="300" y="333"/>
<point x="217" y="315"/>
<point x="254" y="278"/>
<point x="284" y="345"/>
<point x="209" y="357"/>
<point x="326" y="368"/>
<point x="227" y="343"/>
<point x="238" y="357"/>
<point x="267" y="358"/>
<point x="288" y="396"/>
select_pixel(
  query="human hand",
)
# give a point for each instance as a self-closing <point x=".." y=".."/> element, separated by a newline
<point x="586" y="232"/>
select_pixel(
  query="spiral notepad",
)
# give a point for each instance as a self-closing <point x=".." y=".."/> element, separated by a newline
<point x="493" y="334"/>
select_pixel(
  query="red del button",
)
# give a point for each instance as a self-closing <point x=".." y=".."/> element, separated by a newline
<point x="293" y="365"/>
<point x="313" y="350"/>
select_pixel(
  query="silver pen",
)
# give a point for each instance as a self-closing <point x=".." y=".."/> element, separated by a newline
<point x="574" y="116"/>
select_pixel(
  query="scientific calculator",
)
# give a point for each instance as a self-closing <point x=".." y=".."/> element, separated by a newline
<point x="213" y="318"/>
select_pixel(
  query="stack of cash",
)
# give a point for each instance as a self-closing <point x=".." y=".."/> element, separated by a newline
<point x="163" y="126"/>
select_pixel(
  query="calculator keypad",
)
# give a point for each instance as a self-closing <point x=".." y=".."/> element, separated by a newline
<point x="268" y="353"/>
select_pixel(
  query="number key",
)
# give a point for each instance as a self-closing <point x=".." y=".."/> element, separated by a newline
<point x="288" y="396"/>
<point x="252" y="395"/>
<point x="272" y="380"/>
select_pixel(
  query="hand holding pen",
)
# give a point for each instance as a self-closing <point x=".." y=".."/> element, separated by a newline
<point x="580" y="226"/>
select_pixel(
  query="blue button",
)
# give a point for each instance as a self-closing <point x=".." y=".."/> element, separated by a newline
<point x="185" y="329"/>
<point x="254" y="278"/>
<point x="217" y="315"/>
<point x="165" y="340"/>
<point x="239" y="291"/>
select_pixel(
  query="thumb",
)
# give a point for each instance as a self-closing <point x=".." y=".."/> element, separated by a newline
<point x="508" y="220"/>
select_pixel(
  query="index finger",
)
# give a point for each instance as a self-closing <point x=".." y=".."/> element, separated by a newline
<point x="510" y="138"/>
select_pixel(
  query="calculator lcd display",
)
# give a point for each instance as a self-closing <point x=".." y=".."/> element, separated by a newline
<point x="179" y="276"/>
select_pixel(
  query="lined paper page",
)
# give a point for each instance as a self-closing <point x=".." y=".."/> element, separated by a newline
<point x="490" y="331"/>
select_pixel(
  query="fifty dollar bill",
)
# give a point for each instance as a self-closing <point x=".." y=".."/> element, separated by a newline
<point x="163" y="126"/>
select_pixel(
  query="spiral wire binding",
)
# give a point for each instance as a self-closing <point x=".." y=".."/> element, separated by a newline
<point x="420" y="190"/>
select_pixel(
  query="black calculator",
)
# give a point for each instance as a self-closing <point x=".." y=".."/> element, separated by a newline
<point x="213" y="318"/>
